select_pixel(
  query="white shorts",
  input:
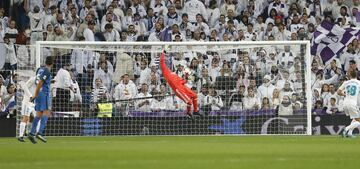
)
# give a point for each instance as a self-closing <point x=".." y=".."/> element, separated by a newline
<point x="27" y="109"/>
<point x="352" y="110"/>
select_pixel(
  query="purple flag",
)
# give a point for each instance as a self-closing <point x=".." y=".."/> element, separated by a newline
<point x="329" y="40"/>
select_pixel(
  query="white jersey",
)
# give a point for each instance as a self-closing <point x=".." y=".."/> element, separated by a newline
<point x="27" y="107"/>
<point x="352" y="90"/>
<point x="36" y="21"/>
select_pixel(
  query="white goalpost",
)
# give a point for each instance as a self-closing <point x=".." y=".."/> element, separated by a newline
<point x="117" y="88"/>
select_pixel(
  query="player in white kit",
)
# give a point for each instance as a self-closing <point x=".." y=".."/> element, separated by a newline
<point x="27" y="107"/>
<point x="351" y="89"/>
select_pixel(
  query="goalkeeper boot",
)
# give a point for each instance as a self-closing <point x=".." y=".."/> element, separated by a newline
<point x="344" y="133"/>
<point x="21" y="139"/>
<point x="351" y="136"/>
<point x="197" y="114"/>
<point x="42" y="138"/>
<point x="31" y="137"/>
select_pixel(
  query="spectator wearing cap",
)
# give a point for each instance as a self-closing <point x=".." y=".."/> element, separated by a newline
<point x="63" y="85"/>
<point x="126" y="89"/>
<point x="266" y="89"/>
<point x="109" y="20"/>
<point x="89" y="32"/>
<point x="136" y="7"/>
<point x="143" y="104"/>
<point x="194" y="7"/>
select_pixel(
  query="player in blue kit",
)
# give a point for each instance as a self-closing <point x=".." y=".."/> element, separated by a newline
<point x="42" y="100"/>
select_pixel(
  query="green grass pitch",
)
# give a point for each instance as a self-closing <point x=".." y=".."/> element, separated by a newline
<point x="179" y="152"/>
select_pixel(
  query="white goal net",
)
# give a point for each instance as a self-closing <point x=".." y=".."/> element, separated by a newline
<point x="103" y="88"/>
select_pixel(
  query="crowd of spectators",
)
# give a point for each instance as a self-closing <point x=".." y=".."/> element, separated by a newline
<point x="262" y="78"/>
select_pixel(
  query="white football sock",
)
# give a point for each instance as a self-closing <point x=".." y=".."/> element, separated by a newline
<point x="22" y="129"/>
<point x="28" y="127"/>
<point x="352" y="126"/>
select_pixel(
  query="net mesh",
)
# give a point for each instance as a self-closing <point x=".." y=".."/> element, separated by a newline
<point x="118" y="89"/>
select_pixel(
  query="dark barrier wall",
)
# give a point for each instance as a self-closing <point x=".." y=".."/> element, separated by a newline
<point x="213" y="125"/>
<point x="8" y="127"/>
<point x="324" y="124"/>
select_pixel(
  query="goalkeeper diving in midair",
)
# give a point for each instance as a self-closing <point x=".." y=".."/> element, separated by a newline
<point x="177" y="84"/>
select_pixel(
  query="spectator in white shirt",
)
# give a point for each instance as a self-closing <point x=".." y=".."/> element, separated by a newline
<point x="104" y="74"/>
<point x="144" y="72"/>
<point x="251" y="102"/>
<point x="11" y="31"/>
<point x="213" y="100"/>
<point x="266" y="89"/>
<point x="136" y="7"/>
<point x="194" y="7"/>
<point x="143" y="104"/>
<point x="172" y="17"/>
<point x="36" y="24"/>
<point x="110" y="34"/>
<point x="126" y="89"/>
<point x="89" y="31"/>
<point x="109" y="20"/>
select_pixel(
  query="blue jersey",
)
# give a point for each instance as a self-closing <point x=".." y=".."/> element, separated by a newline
<point x="44" y="74"/>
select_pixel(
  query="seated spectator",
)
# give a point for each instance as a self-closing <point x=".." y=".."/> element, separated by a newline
<point x="236" y="100"/>
<point x="213" y="101"/>
<point x="201" y="96"/>
<point x="265" y="104"/>
<point x="104" y="74"/>
<point x="126" y="89"/>
<point x="143" y="104"/>
<point x="332" y="107"/>
<point x="251" y="102"/>
<point x="266" y="89"/>
<point x="8" y="103"/>
<point x="285" y="107"/>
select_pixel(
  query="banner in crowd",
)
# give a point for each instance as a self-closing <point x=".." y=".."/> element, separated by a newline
<point x="329" y="40"/>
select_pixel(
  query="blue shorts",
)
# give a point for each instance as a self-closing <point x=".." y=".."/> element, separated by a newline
<point x="42" y="102"/>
